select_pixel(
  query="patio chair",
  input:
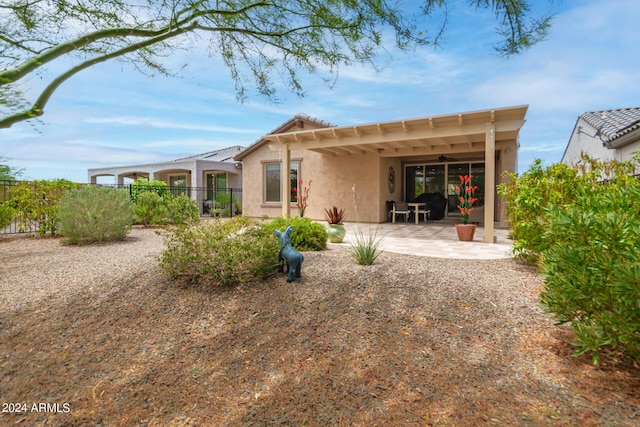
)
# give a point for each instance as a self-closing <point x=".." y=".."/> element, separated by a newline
<point x="400" y="208"/>
<point x="426" y="213"/>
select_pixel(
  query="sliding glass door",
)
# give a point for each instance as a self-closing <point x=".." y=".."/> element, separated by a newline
<point x="422" y="179"/>
<point x="443" y="178"/>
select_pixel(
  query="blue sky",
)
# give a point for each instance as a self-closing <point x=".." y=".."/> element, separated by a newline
<point x="111" y="115"/>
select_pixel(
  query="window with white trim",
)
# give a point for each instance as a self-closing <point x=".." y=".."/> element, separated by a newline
<point x="273" y="183"/>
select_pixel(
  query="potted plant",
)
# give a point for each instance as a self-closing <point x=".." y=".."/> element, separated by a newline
<point x="335" y="218"/>
<point x="466" y="193"/>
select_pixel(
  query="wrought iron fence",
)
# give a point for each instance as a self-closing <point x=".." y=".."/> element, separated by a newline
<point x="220" y="202"/>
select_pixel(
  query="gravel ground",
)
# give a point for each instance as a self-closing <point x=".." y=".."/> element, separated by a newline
<point x="407" y="341"/>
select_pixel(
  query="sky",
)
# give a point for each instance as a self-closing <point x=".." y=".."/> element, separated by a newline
<point x="110" y="115"/>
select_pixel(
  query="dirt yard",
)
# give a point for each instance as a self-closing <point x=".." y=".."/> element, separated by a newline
<point x="98" y="336"/>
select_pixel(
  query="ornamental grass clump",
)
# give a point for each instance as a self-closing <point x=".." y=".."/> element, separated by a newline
<point x="366" y="248"/>
<point x="466" y="194"/>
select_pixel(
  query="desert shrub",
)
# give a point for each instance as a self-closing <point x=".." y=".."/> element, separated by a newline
<point x="307" y="235"/>
<point x="225" y="203"/>
<point x="94" y="214"/>
<point x="528" y="195"/>
<point x="150" y="209"/>
<point x="6" y="214"/>
<point x="228" y="252"/>
<point x="144" y="185"/>
<point x="183" y="210"/>
<point x="38" y="202"/>
<point x="592" y="270"/>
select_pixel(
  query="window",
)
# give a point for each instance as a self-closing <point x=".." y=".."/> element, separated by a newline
<point x="215" y="182"/>
<point x="273" y="185"/>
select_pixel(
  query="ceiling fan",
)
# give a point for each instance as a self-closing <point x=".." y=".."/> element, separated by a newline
<point x="442" y="159"/>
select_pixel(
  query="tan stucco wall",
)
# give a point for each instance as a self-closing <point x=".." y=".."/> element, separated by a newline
<point x="333" y="178"/>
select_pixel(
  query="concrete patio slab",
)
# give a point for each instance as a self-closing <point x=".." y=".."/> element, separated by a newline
<point x="437" y="239"/>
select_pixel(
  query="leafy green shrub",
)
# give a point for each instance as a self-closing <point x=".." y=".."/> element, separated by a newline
<point x="183" y="210"/>
<point x="307" y="235"/>
<point x="223" y="201"/>
<point x="94" y="214"/>
<point x="39" y="201"/>
<point x="144" y="185"/>
<point x="529" y="195"/>
<point x="6" y="214"/>
<point x="220" y="252"/>
<point x="150" y="209"/>
<point x="592" y="270"/>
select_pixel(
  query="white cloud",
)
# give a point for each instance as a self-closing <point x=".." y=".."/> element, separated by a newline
<point x="167" y="124"/>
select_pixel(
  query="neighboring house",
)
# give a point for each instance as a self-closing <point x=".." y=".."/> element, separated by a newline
<point x="203" y="174"/>
<point x="605" y="135"/>
<point x="388" y="161"/>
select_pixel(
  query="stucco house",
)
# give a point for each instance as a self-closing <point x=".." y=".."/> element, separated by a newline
<point x="388" y="161"/>
<point x="605" y="135"/>
<point x="201" y="175"/>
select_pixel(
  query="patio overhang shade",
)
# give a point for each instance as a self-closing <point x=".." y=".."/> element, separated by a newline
<point x="475" y="131"/>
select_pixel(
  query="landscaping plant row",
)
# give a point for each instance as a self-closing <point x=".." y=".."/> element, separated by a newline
<point x="581" y="227"/>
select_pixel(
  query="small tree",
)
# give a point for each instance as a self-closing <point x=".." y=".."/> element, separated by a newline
<point x="8" y="173"/>
<point x="256" y="39"/>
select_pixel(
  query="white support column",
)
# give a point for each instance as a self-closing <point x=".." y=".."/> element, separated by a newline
<point x="285" y="169"/>
<point x="489" y="181"/>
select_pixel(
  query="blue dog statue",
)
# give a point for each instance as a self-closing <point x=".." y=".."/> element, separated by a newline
<point x="292" y="257"/>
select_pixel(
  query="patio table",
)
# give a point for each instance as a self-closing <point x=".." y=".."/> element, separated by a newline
<point x="416" y="206"/>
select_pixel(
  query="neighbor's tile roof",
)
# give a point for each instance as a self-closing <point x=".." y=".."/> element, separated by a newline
<point x="612" y="124"/>
<point x="222" y="155"/>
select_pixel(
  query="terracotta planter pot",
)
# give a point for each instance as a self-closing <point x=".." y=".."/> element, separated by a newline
<point x="466" y="232"/>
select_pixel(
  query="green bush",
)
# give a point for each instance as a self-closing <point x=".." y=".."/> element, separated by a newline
<point x="94" y="214"/>
<point x="528" y="195"/>
<point x="39" y="201"/>
<point x="144" y="185"/>
<point x="6" y="214"/>
<point x="228" y="252"/>
<point x="151" y="209"/>
<point x="307" y="235"/>
<point x="592" y="269"/>
<point x="183" y="210"/>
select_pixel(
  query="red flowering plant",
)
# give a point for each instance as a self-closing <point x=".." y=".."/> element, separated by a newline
<point x="466" y="193"/>
<point x="301" y="197"/>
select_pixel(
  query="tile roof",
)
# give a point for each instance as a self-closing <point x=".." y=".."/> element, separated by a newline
<point x="222" y="155"/>
<point x="612" y="124"/>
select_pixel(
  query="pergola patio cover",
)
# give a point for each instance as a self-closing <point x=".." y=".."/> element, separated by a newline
<point x="475" y="131"/>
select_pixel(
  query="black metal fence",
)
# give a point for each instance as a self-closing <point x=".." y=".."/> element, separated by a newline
<point x="222" y="202"/>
